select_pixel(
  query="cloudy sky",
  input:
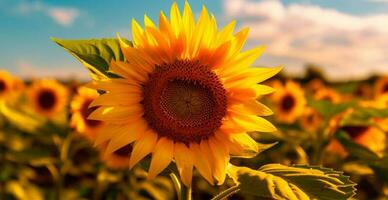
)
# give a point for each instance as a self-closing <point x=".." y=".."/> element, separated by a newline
<point x="349" y="39"/>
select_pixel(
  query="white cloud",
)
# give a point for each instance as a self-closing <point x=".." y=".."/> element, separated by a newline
<point x="64" y="16"/>
<point x="348" y="46"/>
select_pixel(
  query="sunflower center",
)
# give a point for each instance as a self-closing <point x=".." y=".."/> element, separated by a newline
<point x="288" y="102"/>
<point x="184" y="101"/>
<point x="47" y="99"/>
<point x="3" y="87"/>
<point x="85" y="112"/>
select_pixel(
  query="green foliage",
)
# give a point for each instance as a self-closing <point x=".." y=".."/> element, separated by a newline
<point x="298" y="182"/>
<point x="354" y="149"/>
<point x="328" y="109"/>
<point x="363" y="116"/>
<point x="94" y="54"/>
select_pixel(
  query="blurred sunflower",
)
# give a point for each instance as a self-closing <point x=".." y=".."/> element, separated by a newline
<point x="80" y="111"/>
<point x="47" y="97"/>
<point x="327" y="94"/>
<point x="186" y="94"/>
<point x="289" y="102"/>
<point x="9" y="85"/>
<point x="315" y="85"/>
<point x="310" y="120"/>
<point x="367" y="136"/>
<point x="381" y="86"/>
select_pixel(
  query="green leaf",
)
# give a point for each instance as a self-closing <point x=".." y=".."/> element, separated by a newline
<point x="354" y="149"/>
<point x="363" y="116"/>
<point x="298" y="182"/>
<point x="328" y="109"/>
<point x="94" y="54"/>
<point x="380" y="167"/>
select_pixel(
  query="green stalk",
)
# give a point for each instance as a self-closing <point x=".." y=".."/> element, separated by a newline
<point x="227" y="193"/>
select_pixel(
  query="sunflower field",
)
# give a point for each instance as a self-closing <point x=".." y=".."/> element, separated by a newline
<point x="181" y="112"/>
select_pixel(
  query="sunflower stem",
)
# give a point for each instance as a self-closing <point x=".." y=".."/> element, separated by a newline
<point x="186" y="193"/>
<point x="177" y="185"/>
<point x="226" y="193"/>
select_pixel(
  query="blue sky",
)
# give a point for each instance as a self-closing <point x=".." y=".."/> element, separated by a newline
<point x="27" y="25"/>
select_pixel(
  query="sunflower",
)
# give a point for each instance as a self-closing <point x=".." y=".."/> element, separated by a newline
<point x="310" y="120"/>
<point x="367" y="136"/>
<point x="9" y="85"/>
<point x="315" y="85"/>
<point x="186" y="94"/>
<point x="327" y="94"/>
<point x="80" y="111"/>
<point x="381" y="86"/>
<point x="289" y="102"/>
<point x="48" y="97"/>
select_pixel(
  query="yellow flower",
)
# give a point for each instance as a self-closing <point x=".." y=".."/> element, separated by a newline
<point x="80" y="111"/>
<point x="381" y="86"/>
<point x="367" y="136"/>
<point x="9" y="85"/>
<point x="187" y="94"/>
<point x="47" y="97"/>
<point x="310" y="120"/>
<point x="289" y="102"/>
<point x="315" y="85"/>
<point x="327" y="94"/>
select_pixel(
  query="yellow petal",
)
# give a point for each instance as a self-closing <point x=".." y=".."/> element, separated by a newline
<point x="130" y="133"/>
<point x="176" y="19"/>
<point x="115" y="85"/>
<point x="226" y="33"/>
<point x="253" y="123"/>
<point x="106" y="135"/>
<point x="161" y="157"/>
<point x="238" y="41"/>
<point x="113" y="114"/>
<point x="201" y="162"/>
<point x="241" y="145"/>
<point x="148" y="22"/>
<point x="137" y="34"/>
<point x="117" y="99"/>
<point x="253" y="75"/>
<point x="143" y="147"/>
<point x="241" y="62"/>
<point x="252" y="107"/>
<point x="221" y="158"/>
<point x="184" y="160"/>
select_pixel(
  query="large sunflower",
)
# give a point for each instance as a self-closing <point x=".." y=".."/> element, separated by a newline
<point x="80" y="110"/>
<point x="289" y="102"/>
<point x="48" y="97"/>
<point x="186" y="94"/>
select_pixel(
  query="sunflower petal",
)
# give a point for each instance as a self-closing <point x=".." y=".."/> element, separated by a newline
<point x="201" y="162"/>
<point x="105" y="113"/>
<point x="130" y="133"/>
<point x="221" y="158"/>
<point x="184" y="160"/>
<point x="253" y="123"/>
<point x="143" y="147"/>
<point x="161" y="157"/>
